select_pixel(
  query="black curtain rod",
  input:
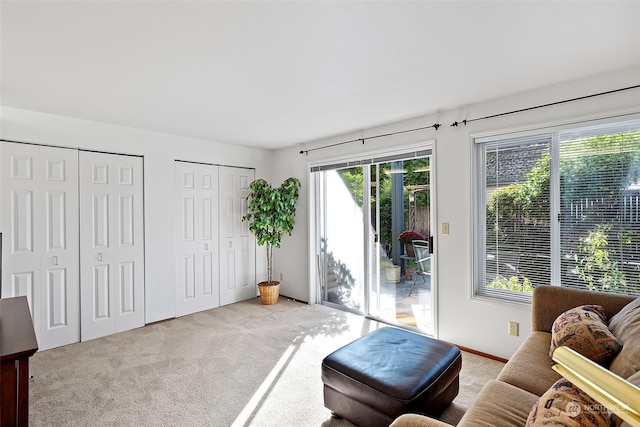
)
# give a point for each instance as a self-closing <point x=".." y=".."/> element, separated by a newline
<point x="434" y="126"/>
<point x="464" y="122"/>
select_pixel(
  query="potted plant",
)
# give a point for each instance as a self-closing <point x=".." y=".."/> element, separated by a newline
<point x="271" y="213"/>
<point x="409" y="269"/>
<point x="408" y="236"/>
<point x="392" y="271"/>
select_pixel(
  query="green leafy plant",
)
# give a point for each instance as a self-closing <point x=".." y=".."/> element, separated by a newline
<point x="387" y="264"/>
<point x="271" y="213"/>
<point x="511" y="284"/>
<point x="596" y="266"/>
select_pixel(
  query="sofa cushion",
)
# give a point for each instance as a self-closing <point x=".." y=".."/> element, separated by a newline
<point x="499" y="405"/>
<point x="530" y="367"/>
<point x="416" y="420"/>
<point x="584" y="329"/>
<point x="625" y="325"/>
<point x="566" y="405"/>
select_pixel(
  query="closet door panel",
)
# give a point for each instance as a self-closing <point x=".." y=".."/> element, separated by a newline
<point x="22" y="284"/>
<point x="196" y="237"/>
<point x="185" y="239"/>
<point x="57" y="290"/>
<point x="22" y="263"/>
<point x="96" y="250"/>
<point x="112" y="261"/>
<point x="21" y="254"/>
<point x="208" y="292"/>
<point x="128" y="235"/>
<point x="39" y="218"/>
<point x="59" y="257"/>
<point x="237" y="244"/>
<point x="22" y="223"/>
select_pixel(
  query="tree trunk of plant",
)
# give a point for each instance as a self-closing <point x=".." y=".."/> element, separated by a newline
<point x="269" y="262"/>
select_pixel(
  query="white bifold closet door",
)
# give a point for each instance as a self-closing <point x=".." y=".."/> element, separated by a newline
<point x="237" y="243"/>
<point x="111" y="244"/>
<point x="214" y="249"/>
<point x="196" y="237"/>
<point x="39" y="224"/>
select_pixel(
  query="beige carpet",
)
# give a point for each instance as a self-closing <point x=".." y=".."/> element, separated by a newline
<point x="243" y="365"/>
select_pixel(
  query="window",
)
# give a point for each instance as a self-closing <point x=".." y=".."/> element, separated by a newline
<point x="560" y="208"/>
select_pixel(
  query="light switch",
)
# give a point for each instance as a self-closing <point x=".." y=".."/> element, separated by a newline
<point x="445" y="228"/>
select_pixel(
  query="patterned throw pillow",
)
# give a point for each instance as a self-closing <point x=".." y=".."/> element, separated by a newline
<point x="584" y="329"/>
<point x="566" y="405"/>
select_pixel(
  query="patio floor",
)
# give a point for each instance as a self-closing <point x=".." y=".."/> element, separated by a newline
<point x="414" y="310"/>
<point x="395" y="304"/>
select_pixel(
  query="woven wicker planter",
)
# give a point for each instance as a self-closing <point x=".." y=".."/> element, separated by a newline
<point x="269" y="292"/>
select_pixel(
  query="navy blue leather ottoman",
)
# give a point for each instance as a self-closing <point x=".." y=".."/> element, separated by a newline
<point x="388" y="372"/>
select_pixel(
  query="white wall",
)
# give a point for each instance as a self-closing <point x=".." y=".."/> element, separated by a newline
<point x="159" y="151"/>
<point x="291" y="258"/>
<point x="461" y="319"/>
<point x="469" y="322"/>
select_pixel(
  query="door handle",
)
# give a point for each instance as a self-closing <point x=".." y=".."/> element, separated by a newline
<point x="100" y="257"/>
<point x="55" y="260"/>
<point x="206" y="246"/>
<point x="230" y="243"/>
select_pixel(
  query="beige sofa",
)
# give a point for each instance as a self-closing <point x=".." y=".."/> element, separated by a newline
<point x="507" y="400"/>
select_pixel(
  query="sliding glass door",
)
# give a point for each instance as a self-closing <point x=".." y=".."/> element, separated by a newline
<point x="342" y="238"/>
<point x="362" y="208"/>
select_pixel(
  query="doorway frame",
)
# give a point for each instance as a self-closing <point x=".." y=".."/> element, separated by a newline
<point x="314" y="270"/>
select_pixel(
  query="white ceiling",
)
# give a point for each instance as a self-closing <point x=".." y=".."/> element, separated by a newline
<point x="271" y="74"/>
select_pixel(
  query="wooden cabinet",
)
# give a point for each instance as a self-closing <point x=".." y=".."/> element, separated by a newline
<point x="17" y="344"/>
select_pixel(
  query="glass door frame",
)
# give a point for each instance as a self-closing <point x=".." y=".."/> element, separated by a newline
<point x="371" y="254"/>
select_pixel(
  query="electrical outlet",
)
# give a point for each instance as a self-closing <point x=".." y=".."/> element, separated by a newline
<point x="445" y="228"/>
<point x="513" y="328"/>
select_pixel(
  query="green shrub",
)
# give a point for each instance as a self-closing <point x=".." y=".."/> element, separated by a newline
<point x="511" y="284"/>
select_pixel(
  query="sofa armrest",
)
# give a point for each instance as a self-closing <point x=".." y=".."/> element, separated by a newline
<point x="415" y="420"/>
<point x="551" y="301"/>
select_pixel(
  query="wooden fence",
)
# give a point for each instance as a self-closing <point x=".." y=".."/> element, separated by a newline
<point x="625" y="209"/>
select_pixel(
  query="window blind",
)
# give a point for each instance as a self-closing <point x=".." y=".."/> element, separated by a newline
<point x="600" y="208"/>
<point x="383" y="158"/>
<point x="514" y="254"/>
<point x="561" y="208"/>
